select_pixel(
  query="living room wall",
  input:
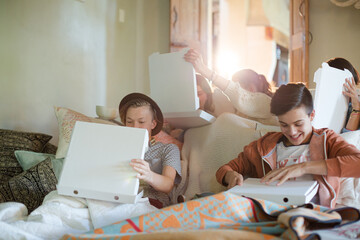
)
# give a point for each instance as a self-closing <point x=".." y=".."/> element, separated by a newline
<point x="74" y="54"/>
<point x="336" y="33"/>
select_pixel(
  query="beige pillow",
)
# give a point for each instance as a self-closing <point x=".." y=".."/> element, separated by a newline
<point x="349" y="194"/>
<point x="66" y="120"/>
<point x="209" y="147"/>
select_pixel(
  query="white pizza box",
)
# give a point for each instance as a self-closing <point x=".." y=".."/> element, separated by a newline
<point x="187" y="120"/>
<point x="330" y="103"/>
<point x="173" y="87"/>
<point x="173" y="82"/>
<point x="97" y="163"/>
<point x="291" y="192"/>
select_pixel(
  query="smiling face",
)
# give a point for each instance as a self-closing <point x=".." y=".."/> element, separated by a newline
<point x="296" y="125"/>
<point x="140" y="117"/>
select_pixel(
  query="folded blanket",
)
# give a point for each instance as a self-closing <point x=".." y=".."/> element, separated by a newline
<point x="60" y="214"/>
<point x="104" y="213"/>
<point x="56" y="216"/>
<point x="228" y="211"/>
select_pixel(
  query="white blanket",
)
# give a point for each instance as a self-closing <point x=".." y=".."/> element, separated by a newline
<point x="61" y="214"/>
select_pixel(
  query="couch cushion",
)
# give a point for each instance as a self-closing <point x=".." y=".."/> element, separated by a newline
<point x="10" y="141"/>
<point x="50" y="148"/>
<point x="28" y="159"/>
<point x="30" y="187"/>
<point x="209" y="147"/>
<point x="349" y="194"/>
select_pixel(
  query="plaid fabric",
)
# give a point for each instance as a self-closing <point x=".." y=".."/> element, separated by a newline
<point x="228" y="211"/>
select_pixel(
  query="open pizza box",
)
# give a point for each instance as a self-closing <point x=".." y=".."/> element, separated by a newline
<point x="97" y="162"/>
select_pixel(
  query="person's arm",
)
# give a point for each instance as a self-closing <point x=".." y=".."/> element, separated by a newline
<point x="350" y="91"/>
<point x="296" y="170"/>
<point x="231" y="174"/>
<point x="161" y="182"/>
<point x="256" y="105"/>
<point x="343" y="158"/>
<point x="196" y="60"/>
<point x="343" y="161"/>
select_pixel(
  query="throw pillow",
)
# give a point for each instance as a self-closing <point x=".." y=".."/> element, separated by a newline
<point x="30" y="187"/>
<point x="11" y="141"/>
<point x="28" y="159"/>
<point x="349" y="187"/>
<point x="352" y="137"/>
<point x="66" y="120"/>
<point x="57" y="164"/>
<point x="209" y="147"/>
<point x="50" y="148"/>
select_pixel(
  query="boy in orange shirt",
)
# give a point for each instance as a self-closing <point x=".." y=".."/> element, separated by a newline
<point x="298" y="151"/>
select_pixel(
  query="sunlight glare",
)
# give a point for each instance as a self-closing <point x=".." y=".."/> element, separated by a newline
<point x="227" y="64"/>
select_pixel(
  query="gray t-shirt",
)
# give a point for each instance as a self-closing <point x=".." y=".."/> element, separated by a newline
<point x="159" y="155"/>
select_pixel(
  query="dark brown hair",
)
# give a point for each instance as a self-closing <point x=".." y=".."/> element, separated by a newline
<point x="342" y="64"/>
<point x="248" y="76"/>
<point x="138" y="102"/>
<point x="291" y="96"/>
<point x="206" y="87"/>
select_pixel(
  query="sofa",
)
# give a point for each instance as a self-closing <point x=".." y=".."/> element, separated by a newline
<point x="30" y="167"/>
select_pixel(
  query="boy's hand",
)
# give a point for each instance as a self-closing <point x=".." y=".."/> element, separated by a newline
<point x="284" y="173"/>
<point x="233" y="178"/>
<point x="143" y="168"/>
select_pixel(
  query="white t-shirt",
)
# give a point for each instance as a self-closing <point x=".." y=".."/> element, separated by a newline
<point x="287" y="156"/>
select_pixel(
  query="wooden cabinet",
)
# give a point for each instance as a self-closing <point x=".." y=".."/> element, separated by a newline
<point x="299" y="41"/>
<point x="190" y="26"/>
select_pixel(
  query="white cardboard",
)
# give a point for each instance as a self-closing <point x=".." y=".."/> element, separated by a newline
<point x="97" y="162"/>
<point x="173" y="82"/>
<point x="289" y="193"/>
<point x="173" y="87"/>
<point x="186" y="120"/>
<point x="330" y="103"/>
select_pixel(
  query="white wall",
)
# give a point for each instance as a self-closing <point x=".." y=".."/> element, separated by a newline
<point x="74" y="54"/>
<point x="336" y="33"/>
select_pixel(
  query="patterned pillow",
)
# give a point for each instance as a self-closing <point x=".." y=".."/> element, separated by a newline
<point x="30" y="187"/>
<point x="66" y="120"/>
<point x="10" y="141"/>
<point x="50" y="148"/>
<point x="28" y="159"/>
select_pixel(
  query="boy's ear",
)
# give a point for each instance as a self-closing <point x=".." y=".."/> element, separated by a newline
<point x="312" y="115"/>
<point x="153" y="124"/>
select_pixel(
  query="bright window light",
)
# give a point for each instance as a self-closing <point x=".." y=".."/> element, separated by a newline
<point x="227" y="64"/>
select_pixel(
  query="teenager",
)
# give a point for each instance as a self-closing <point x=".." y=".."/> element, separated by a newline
<point x="250" y="102"/>
<point x="350" y="90"/>
<point x="160" y="169"/>
<point x="298" y="151"/>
